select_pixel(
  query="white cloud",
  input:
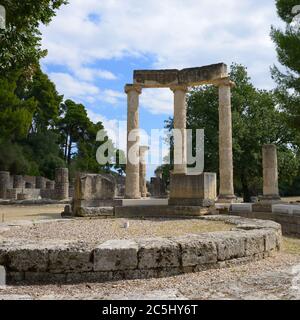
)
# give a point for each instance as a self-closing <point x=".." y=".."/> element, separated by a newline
<point x="178" y="33"/>
<point x="90" y="74"/>
<point x="73" y="88"/>
<point x="157" y="101"/>
<point x="175" y="33"/>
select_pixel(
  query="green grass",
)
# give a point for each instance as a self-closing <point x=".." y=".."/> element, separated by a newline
<point x="291" y="245"/>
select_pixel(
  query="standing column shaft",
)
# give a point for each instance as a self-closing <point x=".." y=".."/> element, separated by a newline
<point x="225" y="142"/>
<point x="132" y="188"/>
<point x="143" y="169"/>
<point x="62" y="183"/>
<point x="4" y="183"/>
<point x="180" y="142"/>
<point x="270" y="172"/>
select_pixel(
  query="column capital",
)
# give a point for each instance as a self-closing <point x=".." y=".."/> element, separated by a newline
<point x="133" y="87"/>
<point x="224" y="82"/>
<point x="144" y="149"/>
<point x="179" y="87"/>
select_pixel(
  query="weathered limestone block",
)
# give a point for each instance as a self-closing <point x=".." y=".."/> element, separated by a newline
<point x="94" y="187"/>
<point x="190" y="76"/>
<point x="67" y="257"/>
<point x="197" y="250"/>
<point x="194" y="190"/>
<point x="158" y="253"/>
<point x="230" y="244"/>
<point x="28" y="257"/>
<point x="116" y="255"/>
<point x="255" y="243"/>
<point x="94" y="211"/>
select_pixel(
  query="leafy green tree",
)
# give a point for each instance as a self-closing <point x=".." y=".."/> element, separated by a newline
<point x="43" y="91"/>
<point x="74" y="126"/>
<point x="15" y="114"/>
<point x="21" y="40"/>
<point x="287" y="43"/>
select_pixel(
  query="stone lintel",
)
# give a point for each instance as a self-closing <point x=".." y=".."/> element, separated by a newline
<point x="189" y="77"/>
<point x="179" y="87"/>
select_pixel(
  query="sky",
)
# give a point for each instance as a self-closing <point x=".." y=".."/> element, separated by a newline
<point x="94" y="46"/>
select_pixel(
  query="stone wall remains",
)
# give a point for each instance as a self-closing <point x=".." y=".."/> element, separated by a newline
<point x="69" y="261"/>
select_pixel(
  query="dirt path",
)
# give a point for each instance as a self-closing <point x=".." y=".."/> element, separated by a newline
<point x="15" y="212"/>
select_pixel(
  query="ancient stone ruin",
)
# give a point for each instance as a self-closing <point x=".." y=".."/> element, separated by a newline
<point x="179" y="81"/>
<point x="18" y="187"/>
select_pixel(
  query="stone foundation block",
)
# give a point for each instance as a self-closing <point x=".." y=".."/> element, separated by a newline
<point x="116" y="255"/>
<point x="255" y="243"/>
<point x="70" y="258"/>
<point x="197" y="250"/>
<point x="28" y="257"/>
<point x="193" y="190"/>
<point x="158" y="253"/>
<point x="94" y="211"/>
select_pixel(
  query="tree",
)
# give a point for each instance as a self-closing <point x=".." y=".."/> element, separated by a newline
<point x="48" y="101"/>
<point x="288" y="51"/>
<point x="74" y="126"/>
<point x="256" y="121"/>
<point x="21" y="41"/>
<point x="15" y="114"/>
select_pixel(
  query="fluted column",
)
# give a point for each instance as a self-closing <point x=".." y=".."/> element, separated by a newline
<point x="132" y="189"/>
<point x="270" y="173"/>
<point x="226" y="193"/>
<point x="180" y="142"/>
<point x="143" y="171"/>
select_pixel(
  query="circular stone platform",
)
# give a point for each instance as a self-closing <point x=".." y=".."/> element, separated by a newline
<point x="39" y="253"/>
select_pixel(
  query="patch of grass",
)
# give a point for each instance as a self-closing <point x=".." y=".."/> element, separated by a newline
<point x="291" y="245"/>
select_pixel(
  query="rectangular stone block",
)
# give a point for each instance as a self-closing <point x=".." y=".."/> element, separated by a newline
<point x="95" y="211"/>
<point x="271" y="241"/>
<point x="158" y="253"/>
<point x="193" y="190"/>
<point x="284" y="208"/>
<point x="197" y="251"/>
<point x="230" y="244"/>
<point x="95" y="187"/>
<point x="70" y="258"/>
<point x="116" y="255"/>
<point x="190" y="76"/>
<point x="255" y="243"/>
<point x="241" y="207"/>
<point x="260" y="207"/>
<point x="28" y="257"/>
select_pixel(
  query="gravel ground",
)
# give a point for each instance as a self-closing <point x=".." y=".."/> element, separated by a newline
<point x="273" y="278"/>
<point x="100" y="230"/>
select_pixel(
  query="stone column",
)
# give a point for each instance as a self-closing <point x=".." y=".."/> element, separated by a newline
<point x="4" y="183"/>
<point x="40" y="183"/>
<point x="143" y="169"/>
<point x="180" y="142"/>
<point x="62" y="183"/>
<point x="270" y="173"/>
<point x="132" y="188"/>
<point x="50" y="185"/>
<point x="226" y="193"/>
<point x="19" y="182"/>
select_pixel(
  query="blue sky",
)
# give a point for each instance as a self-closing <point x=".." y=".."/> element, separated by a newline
<point x="95" y="45"/>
